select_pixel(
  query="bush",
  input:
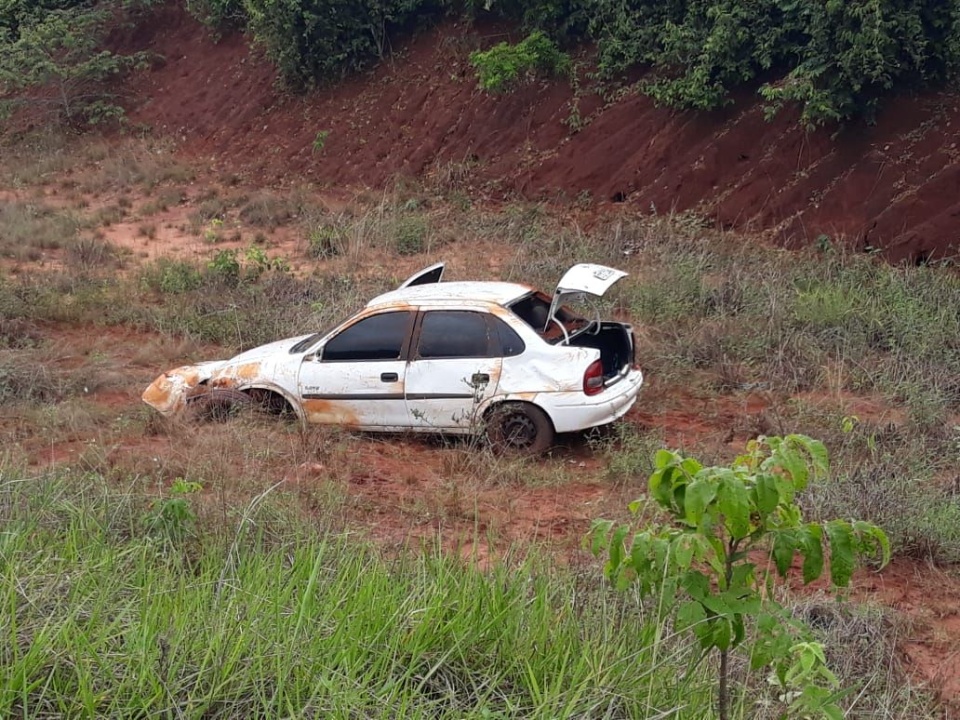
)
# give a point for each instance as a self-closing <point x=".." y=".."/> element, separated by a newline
<point x="61" y="50"/>
<point x="411" y="236"/>
<point x="321" y="40"/>
<point x="835" y="58"/>
<point x="504" y="66"/>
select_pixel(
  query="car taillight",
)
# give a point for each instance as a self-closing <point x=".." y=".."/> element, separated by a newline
<point x="593" y="378"/>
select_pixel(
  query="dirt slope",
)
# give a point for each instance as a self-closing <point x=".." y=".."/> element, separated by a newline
<point x="893" y="186"/>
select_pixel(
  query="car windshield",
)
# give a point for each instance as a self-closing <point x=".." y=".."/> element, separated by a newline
<point x="310" y="340"/>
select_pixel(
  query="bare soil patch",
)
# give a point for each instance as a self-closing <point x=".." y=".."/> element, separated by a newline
<point x="890" y="186"/>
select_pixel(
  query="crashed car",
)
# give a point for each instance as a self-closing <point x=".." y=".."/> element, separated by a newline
<point x="492" y="358"/>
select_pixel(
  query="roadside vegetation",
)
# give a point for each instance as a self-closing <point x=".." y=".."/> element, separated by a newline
<point x="157" y="569"/>
<point x="834" y="61"/>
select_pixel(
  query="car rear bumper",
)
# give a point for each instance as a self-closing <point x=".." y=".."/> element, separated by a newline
<point x="571" y="411"/>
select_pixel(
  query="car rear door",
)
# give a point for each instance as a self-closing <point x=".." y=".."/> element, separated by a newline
<point x="357" y="378"/>
<point x="454" y="367"/>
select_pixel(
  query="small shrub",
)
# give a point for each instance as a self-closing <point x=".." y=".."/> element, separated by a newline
<point x="171" y="276"/>
<point x="326" y="241"/>
<point x="269" y="211"/>
<point x="703" y="561"/>
<point x="172" y="518"/>
<point x="410" y="235"/>
<point x="320" y="140"/>
<point x="504" y="65"/>
<point x="225" y="267"/>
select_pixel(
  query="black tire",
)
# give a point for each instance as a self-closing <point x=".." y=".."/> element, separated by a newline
<point x="219" y="404"/>
<point x="520" y="428"/>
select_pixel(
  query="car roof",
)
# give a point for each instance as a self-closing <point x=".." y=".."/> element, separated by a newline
<point x="499" y="293"/>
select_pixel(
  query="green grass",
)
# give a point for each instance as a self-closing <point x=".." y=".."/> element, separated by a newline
<point x="270" y="617"/>
<point x="255" y="611"/>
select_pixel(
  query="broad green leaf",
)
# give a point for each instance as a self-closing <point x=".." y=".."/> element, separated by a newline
<point x="598" y="537"/>
<point x="722" y="633"/>
<point x="743" y="576"/>
<point x="792" y="461"/>
<point x="689" y="614"/>
<point x="812" y="549"/>
<point x="640" y="553"/>
<point x="717" y="604"/>
<point x="871" y="539"/>
<point x="767" y="494"/>
<point x="739" y="632"/>
<point x="784" y="544"/>
<point x="818" y="454"/>
<point x="704" y="632"/>
<point x="841" y="552"/>
<point x="696" y="584"/>
<point x="734" y="502"/>
<point x="663" y="459"/>
<point x="700" y="493"/>
<point x="616" y="549"/>
<point x="683" y="548"/>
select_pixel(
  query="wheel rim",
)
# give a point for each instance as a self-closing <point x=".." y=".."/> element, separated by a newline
<point x="518" y="431"/>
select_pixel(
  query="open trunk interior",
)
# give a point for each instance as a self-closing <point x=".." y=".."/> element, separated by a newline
<point x="614" y="341"/>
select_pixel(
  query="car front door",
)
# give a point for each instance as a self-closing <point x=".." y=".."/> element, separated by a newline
<point x="357" y="378"/>
<point x="454" y="367"/>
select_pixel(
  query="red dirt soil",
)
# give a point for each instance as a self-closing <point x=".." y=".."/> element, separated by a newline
<point x="892" y="186"/>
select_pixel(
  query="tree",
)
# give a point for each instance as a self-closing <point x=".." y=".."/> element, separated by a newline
<point x="723" y="519"/>
<point x="55" y="59"/>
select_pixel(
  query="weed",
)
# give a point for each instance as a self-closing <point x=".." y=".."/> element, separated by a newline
<point x="326" y="241"/>
<point x="225" y="267"/>
<point x="320" y="140"/>
<point x="171" y="276"/>
<point x="269" y="211"/>
<point x="29" y="229"/>
<point x="410" y="235"/>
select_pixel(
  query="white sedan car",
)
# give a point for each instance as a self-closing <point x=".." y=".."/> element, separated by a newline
<point x="458" y="357"/>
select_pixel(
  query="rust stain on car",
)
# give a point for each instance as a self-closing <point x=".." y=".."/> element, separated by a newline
<point x="329" y="412"/>
<point x="166" y="393"/>
<point x="248" y="371"/>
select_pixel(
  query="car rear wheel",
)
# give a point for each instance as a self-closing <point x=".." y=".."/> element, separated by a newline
<point x="520" y="428"/>
<point x="219" y="404"/>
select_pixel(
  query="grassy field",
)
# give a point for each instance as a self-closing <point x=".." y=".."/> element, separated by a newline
<point x="320" y="573"/>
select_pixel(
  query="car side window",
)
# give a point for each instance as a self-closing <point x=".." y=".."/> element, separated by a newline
<point x="454" y="334"/>
<point x="511" y="344"/>
<point x="378" y="337"/>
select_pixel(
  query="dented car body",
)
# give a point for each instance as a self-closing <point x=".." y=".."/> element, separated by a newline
<point x="456" y="357"/>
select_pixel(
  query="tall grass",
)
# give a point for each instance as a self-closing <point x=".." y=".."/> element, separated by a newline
<point x="271" y="617"/>
<point x="106" y="613"/>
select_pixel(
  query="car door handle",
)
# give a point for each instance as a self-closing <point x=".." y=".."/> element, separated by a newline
<point x="479" y="379"/>
<point x="389" y="377"/>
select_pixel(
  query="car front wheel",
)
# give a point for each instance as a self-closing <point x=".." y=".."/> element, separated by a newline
<point x="219" y="404"/>
<point x="520" y="428"/>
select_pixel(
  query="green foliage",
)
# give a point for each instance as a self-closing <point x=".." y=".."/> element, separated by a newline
<point x="834" y="58"/>
<point x="172" y="277"/>
<point x="326" y="240"/>
<point x="321" y="40"/>
<point x="172" y="518"/>
<point x="218" y="14"/>
<point x="320" y="140"/>
<point x="60" y="51"/>
<point x="103" y="619"/>
<point x="258" y="262"/>
<point x="225" y="267"/>
<point x="410" y="236"/>
<point x="504" y="65"/>
<point x="703" y="562"/>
